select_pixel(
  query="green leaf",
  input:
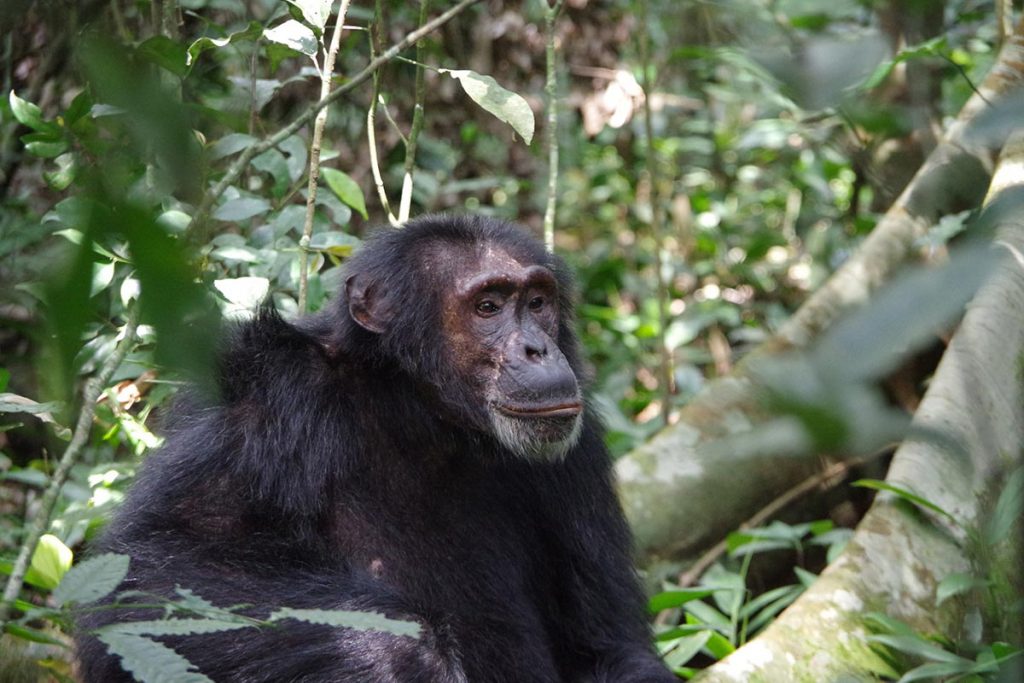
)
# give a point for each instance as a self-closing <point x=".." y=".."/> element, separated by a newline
<point x="51" y="560"/>
<point x="904" y="494"/>
<point x="719" y="646"/>
<point x="13" y="403"/>
<point x="345" y="188"/>
<point x="676" y="598"/>
<point x="174" y="221"/>
<point x="334" y="242"/>
<point x="806" y="578"/>
<point x="244" y="294"/>
<point x="177" y="627"/>
<point x="1009" y="508"/>
<point x="150" y="661"/>
<point x="230" y="144"/>
<point x="251" y="32"/>
<point x="241" y="209"/>
<point x="102" y="275"/>
<point x="919" y="647"/>
<point x="362" y="621"/>
<point x="240" y="254"/>
<point x="273" y="162"/>
<point x="185" y="317"/>
<point x="294" y="35"/>
<point x="315" y="12"/>
<point x="29" y="114"/>
<point x="92" y="579"/>
<point x="46" y="150"/>
<point x="956" y="584"/>
<point x="903" y="316"/>
<point x="165" y="53"/>
<point x="61" y="178"/>
<point x="33" y="635"/>
<point x="934" y="671"/>
<point x="506" y="105"/>
<point x="5" y="377"/>
<point x="686" y="648"/>
<point x="931" y="48"/>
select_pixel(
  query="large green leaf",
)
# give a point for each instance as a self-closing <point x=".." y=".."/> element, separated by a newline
<point x="315" y="12"/>
<point x="150" y="661"/>
<point x="504" y="104"/>
<point x="294" y="35"/>
<point x="345" y="188"/>
<point x="92" y="579"/>
<point x="50" y="561"/>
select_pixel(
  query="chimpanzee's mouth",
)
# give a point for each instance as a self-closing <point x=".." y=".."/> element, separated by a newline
<point x="568" y="409"/>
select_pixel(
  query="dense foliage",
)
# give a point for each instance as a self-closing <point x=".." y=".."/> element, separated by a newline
<point x="717" y="162"/>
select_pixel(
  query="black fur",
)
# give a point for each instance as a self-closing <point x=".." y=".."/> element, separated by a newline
<point x="339" y="470"/>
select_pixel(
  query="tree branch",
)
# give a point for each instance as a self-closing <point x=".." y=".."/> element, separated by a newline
<point x="244" y="159"/>
<point x="331" y="52"/>
<point x="551" y="13"/>
<point x="405" y="203"/>
<point x="41" y="519"/>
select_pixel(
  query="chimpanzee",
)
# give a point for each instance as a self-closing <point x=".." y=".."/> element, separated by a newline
<point x="421" y="449"/>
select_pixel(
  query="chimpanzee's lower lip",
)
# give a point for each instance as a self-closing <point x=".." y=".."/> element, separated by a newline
<point x="571" y="409"/>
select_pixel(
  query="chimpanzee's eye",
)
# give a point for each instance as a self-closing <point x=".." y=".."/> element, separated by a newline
<point x="487" y="308"/>
<point x="536" y="303"/>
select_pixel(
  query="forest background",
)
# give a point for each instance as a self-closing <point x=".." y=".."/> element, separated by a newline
<point x="776" y="210"/>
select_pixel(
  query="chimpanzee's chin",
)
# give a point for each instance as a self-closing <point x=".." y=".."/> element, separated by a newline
<point x="546" y="439"/>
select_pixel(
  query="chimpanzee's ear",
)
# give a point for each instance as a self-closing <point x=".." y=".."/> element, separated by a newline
<point x="367" y="304"/>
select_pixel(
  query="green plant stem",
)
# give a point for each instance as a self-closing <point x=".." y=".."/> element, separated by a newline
<point x="314" y="154"/>
<point x="417" y="125"/>
<point x="246" y="157"/>
<point x="551" y="90"/>
<point x="657" y="230"/>
<point x="376" y="38"/>
<point x="41" y="519"/>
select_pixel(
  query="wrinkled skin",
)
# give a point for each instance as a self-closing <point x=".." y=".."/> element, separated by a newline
<point x="420" y="449"/>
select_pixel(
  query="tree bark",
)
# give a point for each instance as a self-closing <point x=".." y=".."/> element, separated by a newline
<point x="898" y="556"/>
<point x="679" y="496"/>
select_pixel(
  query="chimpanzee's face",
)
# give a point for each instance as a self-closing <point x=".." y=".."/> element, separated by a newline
<point x="502" y="320"/>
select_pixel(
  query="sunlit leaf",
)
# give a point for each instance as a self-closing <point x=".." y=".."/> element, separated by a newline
<point x="506" y="105"/>
<point x="46" y="150"/>
<point x="294" y="35"/>
<point x="51" y="560"/>
<point x="315" y="12"/>
<point x="29" y="114"/>
<point x="244" y="294"/>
